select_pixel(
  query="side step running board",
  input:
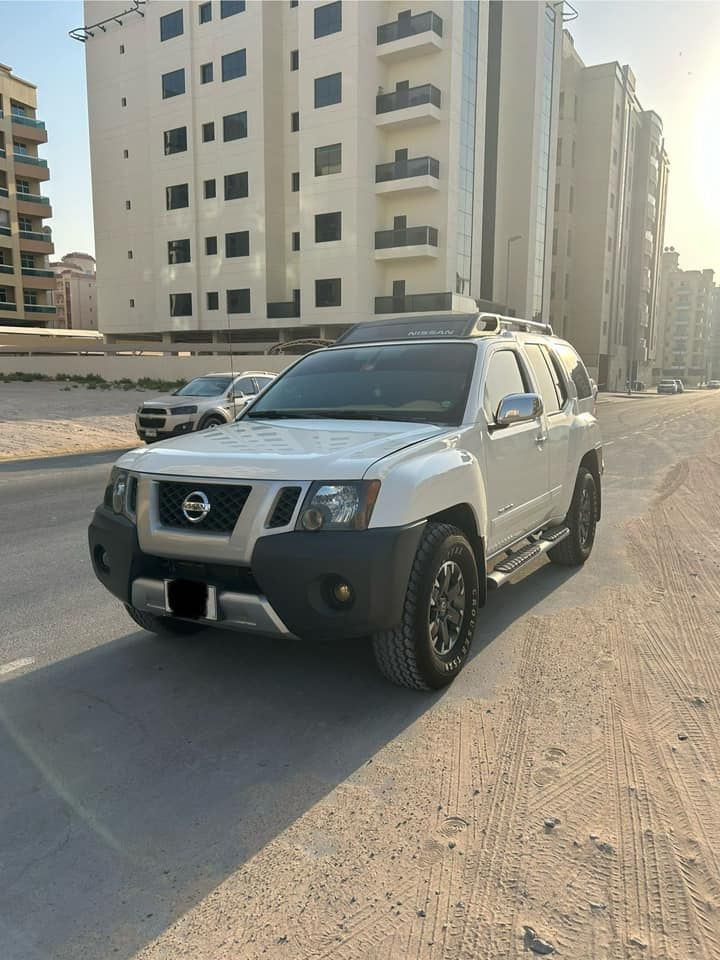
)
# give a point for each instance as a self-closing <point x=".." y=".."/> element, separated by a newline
<point x="515" y="561"/>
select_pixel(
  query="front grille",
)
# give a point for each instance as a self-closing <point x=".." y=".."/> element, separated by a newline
<point x="284" y="507"/>
<point x="154" y="411"/>
<point x="226" y="503"/>
<point x="152" y="421"/>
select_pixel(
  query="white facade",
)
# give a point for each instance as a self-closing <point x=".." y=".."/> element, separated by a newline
<point x="438" y="185"/>
<point x="75" y="292"/>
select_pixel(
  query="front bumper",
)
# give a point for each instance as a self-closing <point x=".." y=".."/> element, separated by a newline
<point x="287" y="588"/>
<point x="171" y="427"/>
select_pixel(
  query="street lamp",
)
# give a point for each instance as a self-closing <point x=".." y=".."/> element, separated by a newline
<point x="518" y="236"/>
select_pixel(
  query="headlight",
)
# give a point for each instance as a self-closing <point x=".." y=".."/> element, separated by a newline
<point x="339" y="506"/>
<point x="180" y="410"/>
<point x="120" y="493"/>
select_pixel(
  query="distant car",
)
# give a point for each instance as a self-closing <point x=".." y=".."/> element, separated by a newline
<point x="667" y="386"/>
<point x="204" y="402"/>
<point x="680" y="386"/>
<point x="713" y="384"/>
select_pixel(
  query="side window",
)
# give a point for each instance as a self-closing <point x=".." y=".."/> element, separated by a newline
<point x="262" y="382"/>
<point x="557" y="374"/>
<point x="543" y="377"/>
<point x="245" y="385"/>
<point x="504" y="377"/>
<point x="576" y="371"/>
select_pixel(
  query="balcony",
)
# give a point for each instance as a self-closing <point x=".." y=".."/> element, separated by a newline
<point x="34" y="167"/>
<point x="34" y="279"/>
<point x="4" y="192"/>
<point x="32" y="241"/>
<point x="36" y="272"/>
<point x="29" y="129"/>
<point x="4" y="231"/>
<point x="8" y="305"/>
<point x="7" y="268"/>
<point x="409" y="36"/>
<point x="408" y="106"/>
<point x="38" y="308"/>
<point x="414" y="303"/>
<point x="406" y="244"/>
<point x="417" y="173"/>
<point x="283" y="310"/>
<point x="33" y="205"/>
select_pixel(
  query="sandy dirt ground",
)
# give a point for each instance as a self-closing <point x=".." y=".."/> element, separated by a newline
<point x="43" y="419"/>
<point x="575" y="813"/>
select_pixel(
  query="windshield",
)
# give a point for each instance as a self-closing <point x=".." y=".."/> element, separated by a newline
<point x="204" y="387"/>
<point x="426" y="382"/>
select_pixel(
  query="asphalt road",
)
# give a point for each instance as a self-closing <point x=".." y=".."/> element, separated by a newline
<point x="137" y="773"/>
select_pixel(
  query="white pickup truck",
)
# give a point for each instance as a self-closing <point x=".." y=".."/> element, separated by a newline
<point x="377" y="488"/>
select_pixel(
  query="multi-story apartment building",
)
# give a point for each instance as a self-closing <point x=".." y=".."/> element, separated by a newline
<point x="610" y="199"/>
<point x="26" y="282"/>
<point x="286" y="169"/>
<point x="75" y="292"/>
<point x="686" y="303"/>
<point x="715" y="335"/>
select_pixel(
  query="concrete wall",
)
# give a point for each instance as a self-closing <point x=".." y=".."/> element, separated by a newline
<point x="166" y="368"/>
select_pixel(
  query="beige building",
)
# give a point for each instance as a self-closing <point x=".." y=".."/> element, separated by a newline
<point x="75" y="292"/>
<point x="610" y="199"/>
<point x="286" y="169"/>
<point x="687" y="304"/>
<point x="26" y="282"/>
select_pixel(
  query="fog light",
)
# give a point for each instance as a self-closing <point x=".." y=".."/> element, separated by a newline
<point x="102" y="558"/>
<point x="342" y="592"/>
<point x="312" y="519"/>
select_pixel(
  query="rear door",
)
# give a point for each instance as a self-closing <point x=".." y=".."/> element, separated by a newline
<point x="243" y="388"/>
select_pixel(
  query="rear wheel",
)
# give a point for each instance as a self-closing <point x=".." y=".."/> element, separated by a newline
<point x="581" y="519"/>
<point x="162" y="626"/>
<point x="430" y="645"/>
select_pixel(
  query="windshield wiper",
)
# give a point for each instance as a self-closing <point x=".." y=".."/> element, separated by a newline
<point x="279" y="415"/>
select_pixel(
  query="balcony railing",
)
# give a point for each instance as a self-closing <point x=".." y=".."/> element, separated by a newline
<point x="7" y="305"/>
<point x="26" y="158"/>
<point x="27" y="121"/>
<point x="414" y="303"/>
<point x="33" y="198"/>
<point x="283" y="309"/>
<point x="38" y="308"/>
<point x="36" y="272"/>
<point x="400" y="169"/>
<point x="409" y="26"/>
<point x="410" y="237"/>
<point x="407" y="97"/>
<point x="3" y="192"/>
<point x="34" y="235"/>
<point x="7" y="268"/>
<point x="4" y="231"/>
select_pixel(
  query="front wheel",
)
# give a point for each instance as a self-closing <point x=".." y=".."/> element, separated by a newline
<point x="162" y="626"/>
<point x="581" y="519"/>
<point x="213" y="421"/>
<point x="430" y="645"/>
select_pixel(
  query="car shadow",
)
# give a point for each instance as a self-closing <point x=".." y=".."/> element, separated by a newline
<point x="138" y="775"/>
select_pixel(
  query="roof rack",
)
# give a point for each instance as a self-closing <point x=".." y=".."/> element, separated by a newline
<point x="439" y="327"/>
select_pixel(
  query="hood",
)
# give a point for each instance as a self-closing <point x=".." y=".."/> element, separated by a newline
<point x="280" y="449"/>
<point x="167" y="400"/>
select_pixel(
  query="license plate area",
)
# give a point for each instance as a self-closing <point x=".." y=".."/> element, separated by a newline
<point x="191" y="600"/>
<point x="150" y="431"/>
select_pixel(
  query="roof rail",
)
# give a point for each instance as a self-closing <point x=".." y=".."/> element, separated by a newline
<point x="514" y="323"/>
<point x="83" y="33"/>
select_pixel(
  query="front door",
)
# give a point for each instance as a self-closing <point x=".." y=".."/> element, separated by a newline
<point x="516" y="457"/>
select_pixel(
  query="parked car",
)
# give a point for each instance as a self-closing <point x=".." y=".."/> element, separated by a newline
<point x="376" y="488"/>
<point x="667" y="386"/>
<point x="713" y="384"/>
<point x="680" y="386"/>
<point x="204" y="402"/>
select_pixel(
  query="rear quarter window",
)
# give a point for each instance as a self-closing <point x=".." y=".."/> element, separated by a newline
<point x="575" y="369"/>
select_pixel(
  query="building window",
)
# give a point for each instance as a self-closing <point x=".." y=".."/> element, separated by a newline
<point x="178" y="251"/>
<point x="238" y="301"/>
<point x="552" y="284"/>
<point x="293" y="3"/>
<point x="210" y="246"/>
<point x="233" y="65"/>
<point x="615" y="157"/>
<point x="561" y="103"/>
<point x="171" y="25"/>
<point x="568" y="249"/>
<point x="236" y="186"/>
<point x="209" y="189"/>
<point x="571" y="199"/>
<point x="328" y="226"/>
<point x="328" y="90"/>
<point x="559" y="151"/>
<point x="173" y="83"/>
<point x="557" y="196"/>
<point x="123" y="101"/>
<point x="131" y="302"/>
<point x="228" y="8"/>
<point x="295" y="181"/>
<point x="555" y="236"/>
<point x="180" y="304"/>
<point x="327" y="292"/>
<point x="176" y="196"/>
<point x="205" y="13"/>
<point x="328" y="19"/>
<point x="617" y="113"/>
<point x="610" y="244"/>
<point x="296" y="240"/>
<point x="235" y="126"/>
<point x="612" y="201"/>
<point x="27" y="260"/>
<point x="128" y="205"/>
<point x="122" y="48"/>
<point x="567" y="285"/>
<point x="206" y="72"/>
<point x="175" y="140"/>
<point x="213" y="301"/>
<point x="25" y="224"/>
<point x="294" y="122"/>
<point x="572" y="157"/>
<point x="294" y="59"/>
<point x="208" y="131"/>
<point x="328" y="159"/>
<point x="22" y="186"/>
<point x="237" y="244"/>
<point x="126" y="154"/>
<point x="130" y="255"/>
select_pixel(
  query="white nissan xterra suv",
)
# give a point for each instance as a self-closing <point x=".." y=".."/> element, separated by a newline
<point x="377" y="488"/>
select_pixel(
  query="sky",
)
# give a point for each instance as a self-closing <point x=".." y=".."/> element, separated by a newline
<point x="672" y="46"/>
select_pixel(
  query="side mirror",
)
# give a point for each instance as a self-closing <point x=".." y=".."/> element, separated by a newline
<point x="518" y="408"/>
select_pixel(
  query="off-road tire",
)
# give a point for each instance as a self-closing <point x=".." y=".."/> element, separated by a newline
<point x="162" y="626"/>
<point x="405" y="654"/>
<point x="212" y="421"/>
<point x="574" y="550"/>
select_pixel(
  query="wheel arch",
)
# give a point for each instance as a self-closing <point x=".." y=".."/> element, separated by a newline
<point x="592" y="462"/>
<point x="462" y="516"/>
<point x="219" y="414"/>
